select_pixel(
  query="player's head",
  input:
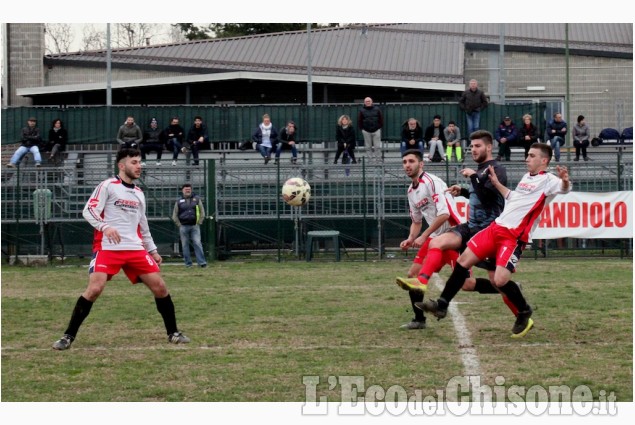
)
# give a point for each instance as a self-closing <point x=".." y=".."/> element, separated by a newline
<point x="538" y="157"/>
<point x="129" y="163"/>
<point x="412" y="162"/>
<point x="481" y="144"/>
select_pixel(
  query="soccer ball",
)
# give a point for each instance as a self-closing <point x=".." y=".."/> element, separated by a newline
<point x="296" y="192"/>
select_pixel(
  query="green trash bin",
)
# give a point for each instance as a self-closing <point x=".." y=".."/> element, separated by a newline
<point x="42" y="200"/>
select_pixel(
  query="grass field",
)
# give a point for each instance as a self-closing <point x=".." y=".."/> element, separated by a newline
<point x="258" y="328"/>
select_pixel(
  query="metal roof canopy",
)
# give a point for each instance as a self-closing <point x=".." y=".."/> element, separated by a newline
<point x="241" y="75"/>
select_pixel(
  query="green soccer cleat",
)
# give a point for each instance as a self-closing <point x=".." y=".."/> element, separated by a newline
<point x="523" y="324"/>
<point x="411" y="284"/>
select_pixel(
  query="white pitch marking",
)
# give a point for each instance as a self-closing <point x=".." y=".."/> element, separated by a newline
<point x="469" y="356"/>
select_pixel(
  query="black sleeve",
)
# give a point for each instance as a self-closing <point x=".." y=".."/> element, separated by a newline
<point x="465" y="193"/>
<point x="485" y="190"/>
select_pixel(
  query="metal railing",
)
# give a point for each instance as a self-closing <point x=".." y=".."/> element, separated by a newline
<point x="365" y="201"/>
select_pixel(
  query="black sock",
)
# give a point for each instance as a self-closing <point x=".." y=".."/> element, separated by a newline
<point x="417" y="297"/>
<point x="453" y="285"/>
<point x="514" y="295"/>
<point x="166" y="308"/>
<point x="484" y="286"/>
<point x="80" y="312"/>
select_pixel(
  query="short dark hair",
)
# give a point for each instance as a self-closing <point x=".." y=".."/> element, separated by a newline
<point x="451" y="122"/>
<point x="127" y="153"/>
<point x="198" y="117"/>
<point x="544" y="148"/>
<point x="436" y="117"/>
<point x="186" y="185"/>
<point x="415" y="152"/>
<point x="484" y="135"/>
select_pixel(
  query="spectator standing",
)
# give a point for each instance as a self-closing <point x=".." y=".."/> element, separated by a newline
<point x="30" y="142"/>
<point x="188" y="214"/>
<point x="452" y="135"/>
<point x="371" y="120"/>
<point x="174" y="134"/>
<point x="58" y="137"/>
<point x="197" y="138"/>
<point x="435" y="137"/>
<point x="153" y="141"/>
<point x="506" y="135"/>
<point x="581" y="136"/>
<point x="473" y="101"/>
<point x="556" y="132"/>
<point x="287" y="141"/>
<point x="345" y="137"/>
<point x="266" y="137"/>
<point x="411" y="136"/>
<point x="129" y="134"/>
<point x="527" y="134"/>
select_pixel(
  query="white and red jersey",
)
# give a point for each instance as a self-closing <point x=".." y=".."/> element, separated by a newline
<point x="429" y="199"/>
<point x="117" y="204"/>
<point x="524" y="204"/>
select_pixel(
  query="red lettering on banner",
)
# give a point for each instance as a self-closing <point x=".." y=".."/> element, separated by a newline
<point x="573" y="214"/>
<point x="620" y="214"/>
<point x="583" y="214"/>
<point x="607" y="215"/>
<point x="559" y="216"/>
<point x="461" y="208"/>
<point x="596" y="214"/>
<point x="545" y="217"/>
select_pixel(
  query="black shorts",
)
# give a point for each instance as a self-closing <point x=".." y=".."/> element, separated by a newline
<point x="464" y="231"/>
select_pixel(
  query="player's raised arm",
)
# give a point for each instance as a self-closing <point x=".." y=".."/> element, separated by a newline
<point x="497" y="184"/>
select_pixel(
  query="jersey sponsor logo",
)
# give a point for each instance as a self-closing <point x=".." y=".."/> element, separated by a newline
<point x="127" y="204"/>
<point x="421" y="203"/>
<point x="525" y="187"/>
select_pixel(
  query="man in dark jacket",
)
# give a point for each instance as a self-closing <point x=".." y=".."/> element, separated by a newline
<point x="287" y="138"/>
<point x="197" y="138"/>
<point x="506" y="136"/>
<point x="473" y="101"/>
<point x="370" y="120"/>
<point x="153" y="141"/>
<point x="435" y="137"/>
<point x="174" y="136"/>
<point x="30" y="142"/>
<point x="411" y="136"/>
<point x="188" y="215"/>
<point x="556" y="130"/>
<point x="129" y="134"/>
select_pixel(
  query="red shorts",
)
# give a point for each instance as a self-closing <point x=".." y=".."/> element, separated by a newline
<point x="133" y="263"/>
<point x="497" y="242"/>
<point x="449" y="256"/>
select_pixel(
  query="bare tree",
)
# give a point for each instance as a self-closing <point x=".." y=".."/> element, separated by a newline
<point x="134" y="35"/>
<point x="93" y="38"/>
<point x="58" y="38"/>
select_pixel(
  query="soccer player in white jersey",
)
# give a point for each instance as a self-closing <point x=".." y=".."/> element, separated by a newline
<point x="428" y="199"/>
<point x="507" y="236"/>
<point x="122" y="240"/>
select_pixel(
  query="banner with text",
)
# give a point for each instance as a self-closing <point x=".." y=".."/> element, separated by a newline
<point x="584" y="215"/>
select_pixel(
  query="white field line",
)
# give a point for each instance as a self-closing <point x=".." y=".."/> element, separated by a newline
<point x="469" y="356"/>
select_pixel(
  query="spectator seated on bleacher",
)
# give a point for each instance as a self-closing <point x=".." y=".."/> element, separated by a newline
<point x="31" y="140"/>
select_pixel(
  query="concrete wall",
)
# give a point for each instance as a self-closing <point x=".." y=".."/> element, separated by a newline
<point x="601" y="89"/>
<point x="25" y="46"/>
